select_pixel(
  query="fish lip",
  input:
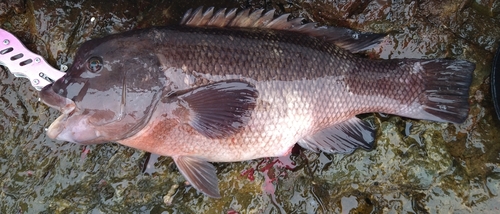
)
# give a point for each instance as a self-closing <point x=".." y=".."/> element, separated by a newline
<point x="74" y="128"/>
<point x="57" y="126"/>
<point x="54" y="100"/>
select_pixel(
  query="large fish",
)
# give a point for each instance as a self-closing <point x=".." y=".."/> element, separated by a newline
<point x="223" y="87"/>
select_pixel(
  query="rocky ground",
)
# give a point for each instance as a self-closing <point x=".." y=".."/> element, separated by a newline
<point x="417" y="166"/>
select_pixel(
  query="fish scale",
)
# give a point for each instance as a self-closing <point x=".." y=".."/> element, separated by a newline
<point x="269" y="123"/>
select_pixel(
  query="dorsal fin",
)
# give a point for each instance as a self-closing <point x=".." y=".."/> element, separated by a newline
<point x="348" y="39"/>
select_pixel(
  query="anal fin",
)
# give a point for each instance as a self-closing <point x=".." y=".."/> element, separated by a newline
<point x="344" y="137"/>
<point x="200" y="174"/>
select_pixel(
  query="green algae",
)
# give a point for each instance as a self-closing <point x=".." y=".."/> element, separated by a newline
<point x="416" y="167"/>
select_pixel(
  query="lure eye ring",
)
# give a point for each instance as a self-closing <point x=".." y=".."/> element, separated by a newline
<point x="94" y="64"/>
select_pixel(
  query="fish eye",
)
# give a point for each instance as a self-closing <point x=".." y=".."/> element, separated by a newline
<point x="94" y="64"/>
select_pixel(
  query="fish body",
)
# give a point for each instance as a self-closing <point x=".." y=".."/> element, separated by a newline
<point x="225" y="87"/>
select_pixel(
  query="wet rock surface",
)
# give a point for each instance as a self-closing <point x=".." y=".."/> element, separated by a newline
<point x="417" y="166"/>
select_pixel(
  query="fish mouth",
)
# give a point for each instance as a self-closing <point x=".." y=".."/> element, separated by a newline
<point x="71" y="126"/>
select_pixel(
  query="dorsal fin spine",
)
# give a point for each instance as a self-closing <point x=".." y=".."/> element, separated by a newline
<point x="345" y="38"/>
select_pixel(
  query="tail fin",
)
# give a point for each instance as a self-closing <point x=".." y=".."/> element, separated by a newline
<point x="446" y="94"/>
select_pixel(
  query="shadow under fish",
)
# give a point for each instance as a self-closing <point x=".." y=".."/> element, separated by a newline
<point x="225" y="86"/>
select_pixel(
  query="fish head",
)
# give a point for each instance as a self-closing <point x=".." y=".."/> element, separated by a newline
<point x="108" y="93"/>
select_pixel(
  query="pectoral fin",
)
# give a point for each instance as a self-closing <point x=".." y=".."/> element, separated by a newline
<point x="220" y="109"/>
<point x="344" y="137"/>
<point x="200" y="174"/>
